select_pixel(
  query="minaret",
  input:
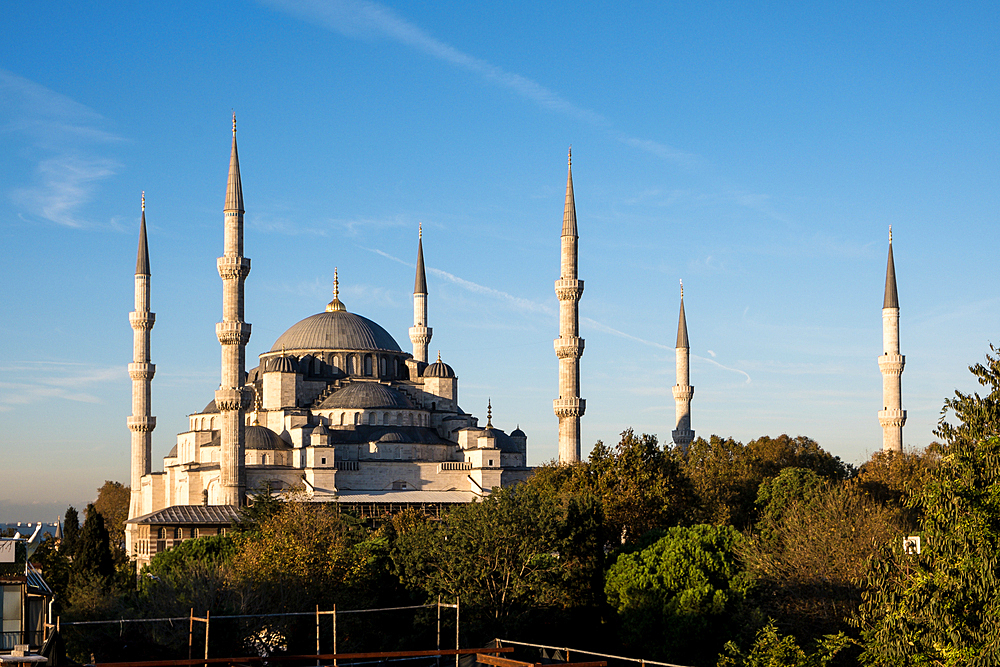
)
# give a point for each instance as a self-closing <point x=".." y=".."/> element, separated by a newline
<point x="892" y="416"/>
<point x="141" y="423"/>
<point x="420" y="333"/>
<point x="569" y="407"/>
<point x="232" y="399"/>
<point x="683" y="391"/>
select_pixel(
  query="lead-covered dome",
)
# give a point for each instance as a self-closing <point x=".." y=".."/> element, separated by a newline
<point x="366" y="395"/>
<point x="336" y="330"/>
<point x="261" y="437"/>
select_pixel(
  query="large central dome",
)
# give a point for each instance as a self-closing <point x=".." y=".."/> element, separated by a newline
<point x="337" y="330"/>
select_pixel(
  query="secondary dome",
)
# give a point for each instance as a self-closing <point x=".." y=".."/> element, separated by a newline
<point x="366" y="395"/>
<point x="261" y="437"/>
<point x="336" y="330"/>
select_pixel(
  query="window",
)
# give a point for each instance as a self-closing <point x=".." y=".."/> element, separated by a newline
<point x="368" y="364"/>
<point x="491" y="462"/>
<point x="178" y="533"/>
<point x="350" y="365"/>
<point x="341" y="418"/>
<point x="161" y="534"/>
<point x="322" y="461"/>
<point x="371" y="418"/>
<point x="263" y="459"/>
<point x="381" y="366"/>
<point x="194" y="532"/>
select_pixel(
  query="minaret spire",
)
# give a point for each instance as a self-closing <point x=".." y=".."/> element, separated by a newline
<point x="683" y="391"/>
<point x="420" y="333"/>
<point x="232" y="399"/>
<point x="141" y="423"/>
<point x="569" y="407"/>
<point x="892" y="416"/>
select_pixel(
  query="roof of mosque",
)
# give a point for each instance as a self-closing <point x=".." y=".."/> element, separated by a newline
<point x="367" y="395"/>
<point x="336" y="330"/>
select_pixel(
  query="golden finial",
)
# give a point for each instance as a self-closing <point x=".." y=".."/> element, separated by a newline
<point x="489" y="413"/>
<point x="682" y="288"/>
<point x="420" y="230"/>
<point x="570" y="158"/>
<point x="439" y="356"/>
<point x="234" y="121"/>
<point x="336" y="304"/>
<point x="890" y="234"/>
<point x="143" y="201"/>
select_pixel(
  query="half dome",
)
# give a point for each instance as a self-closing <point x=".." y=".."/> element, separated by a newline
<point x="366" y="395"/>
<point x="261" y="437"/>
<point x="336" y="330"/>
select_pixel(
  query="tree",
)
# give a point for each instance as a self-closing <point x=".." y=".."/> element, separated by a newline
<point x="93" y="552"/>
<point x="71" y="530"/>
<point x="942" y="606"/>
<point x="514" y="558"/>
<point x="978" y="417"/>
<point x="675" y="599"/>
<point x="772" y="649"/>
<point x="898" y="478"/>
<point x="640" y="485"/>
<point x="112" y="504"/>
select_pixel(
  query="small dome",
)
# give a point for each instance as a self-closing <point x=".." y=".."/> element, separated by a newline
<point x="518" y="433"/>
<point x="336" y="330"/>
<point x="366" y="395"/>
<point x="439" y="369"/>
<point x="320" y="430"/>
<point x="392" y="436"/>
<point x="209" y="409"/>
<point x="261" y="437"/>
<point x="283" y="364"/>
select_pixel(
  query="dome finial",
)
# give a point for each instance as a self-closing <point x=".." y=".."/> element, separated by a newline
<point x="570" y="156"/>
<point x="420" y="230"/>
<point x="489" y="413"/>
<point x="335" y="305"/>
<point x="143" y="201"/>
<point x="234" y="121"/>
<point x="890" y="234"/>
<point x="682" y="288"/>
<point x="439" y="356"/>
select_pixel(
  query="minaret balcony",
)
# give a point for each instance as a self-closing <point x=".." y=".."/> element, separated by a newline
<point x="892" y="418"/>
<point x="569" y="407"/>
<point x="142" y="321"/>
<point x="891" y="364"/>
<point x="569" y="348"/>
<point x="421" y="335"/>
<point x="682" y="392"/>
<point x="233" y="268"/>
<point x="682" y="437"/>
<point x="229" y="400"/>
<point x="141" y="424"/>
<point x="141" y="371"/>
<point x="569" y="290"/>
<point x="233" y="333"/>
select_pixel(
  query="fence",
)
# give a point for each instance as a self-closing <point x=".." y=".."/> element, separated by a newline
<point x="566" y="653"/>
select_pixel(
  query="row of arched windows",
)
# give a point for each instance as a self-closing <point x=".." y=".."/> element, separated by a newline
<point x="375" y="418"/>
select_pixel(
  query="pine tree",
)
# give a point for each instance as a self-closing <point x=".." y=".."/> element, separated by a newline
<point x="93" y="550"/>
<point x="71" y="531"/>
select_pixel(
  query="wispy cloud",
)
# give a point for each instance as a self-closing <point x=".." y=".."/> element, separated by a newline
<point x="35" y="381"/>
<point x="65" y="142"/>
<point x="361" y="19"/>
<point x="725" y="368"/>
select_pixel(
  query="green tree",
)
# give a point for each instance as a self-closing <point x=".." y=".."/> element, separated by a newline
<point x="978" y="416"/>
<point x="71" y="531"/>
<point x="942" y="606"/>
<point x="93" y="551"/>
<point x="514" y="558"/>
<point x="676" y="598"/>
<point x="772" y="649"/>
<point x="112" y="504"/>
<point x="898" y="478"/>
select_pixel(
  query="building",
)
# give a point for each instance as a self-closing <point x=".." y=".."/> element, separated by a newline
<point x="334" y="409"/>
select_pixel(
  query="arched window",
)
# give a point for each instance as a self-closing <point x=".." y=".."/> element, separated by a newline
<point x="368" y="364"/>
<point x="350" y="364"/>
<point x="336" y="361"/>
<point x="341" y="418"/>
<point x="357" y="418"/>
<point x="371" y="418"/>
<point x="194" y="532"/>
<point x="178" y="533"/>
<point x="161" y="533"/>
<point x="385" y="418"/>
<point x="263" y="459"/>
<point x="316" y="366"/>
<point x="381" y="366"/>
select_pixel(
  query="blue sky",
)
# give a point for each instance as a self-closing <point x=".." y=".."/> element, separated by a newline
<point x="758" y="151"/>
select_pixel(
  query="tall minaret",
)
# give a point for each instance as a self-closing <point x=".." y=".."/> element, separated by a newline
<point x="569" y="407"/>
<point x="892" y="416"/>
<point x="232" y="399"/>
<point x="683" y="391"/>
<point x="420" y="333"/>
<point x="141" y="423"/>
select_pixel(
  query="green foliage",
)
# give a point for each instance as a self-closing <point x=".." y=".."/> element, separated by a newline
<point x="112" y="504"/>
<point x="978" y="417"/>
<point x="943" y="606"/>
<point x="70" y="531"/>
<point x="93" y="556"/>
<point x="516" y="555"/>
<point x="675" y="597"/>
<point x="898" y="478"/>
<point x="262" y="506"/>
<point x="213" y="550"/>
<point x="772" y="649"/>
<point x="640" y="485"/>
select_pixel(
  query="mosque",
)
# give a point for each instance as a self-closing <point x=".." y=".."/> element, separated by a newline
<point x="336" y="411"/>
